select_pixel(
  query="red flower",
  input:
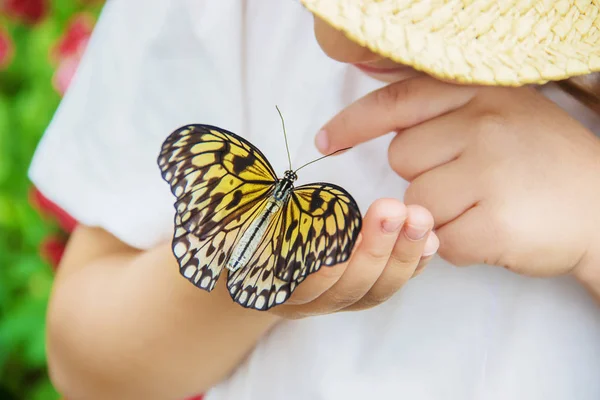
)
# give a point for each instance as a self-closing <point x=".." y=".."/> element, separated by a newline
<point x="6" y="48"/>
<point x="74" y="40"/>
<point x="52" y="249"/>
<point x="28" y="11"/>
<point x="49" y="209"/>
<point x="64" y="73"/>
<point x="69" y="50"/>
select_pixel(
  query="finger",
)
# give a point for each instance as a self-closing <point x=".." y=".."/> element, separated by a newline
<point x="472" y="239"/>
<point x="319" y="294"/>
<point x="396" y="106"/>
<point x="404" y="259"/>
<point x="422" y="264"/>
<point x="447" y="191"/>
<point x="436" y="142"/>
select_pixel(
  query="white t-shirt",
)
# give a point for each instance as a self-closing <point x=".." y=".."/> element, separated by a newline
<point x="471" y="333"/>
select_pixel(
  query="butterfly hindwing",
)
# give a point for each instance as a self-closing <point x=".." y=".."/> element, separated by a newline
<point x="318" y="225"/>
<point x="328" y="224"/>
<point x="221" y="183"/>
<point x="202" y="261"/>
<point x="256" y="286"/>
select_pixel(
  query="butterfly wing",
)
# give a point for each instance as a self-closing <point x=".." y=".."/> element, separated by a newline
<point x="221" y="182"/>
<point x="328" y="224"/>
<point x="318" y="226"/>
<point x="202" y="260"/>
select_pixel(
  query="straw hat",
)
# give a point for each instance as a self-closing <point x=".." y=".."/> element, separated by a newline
<point x="504" y="42"/>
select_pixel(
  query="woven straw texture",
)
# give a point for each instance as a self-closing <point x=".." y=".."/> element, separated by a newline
<point x="507" y="42"/>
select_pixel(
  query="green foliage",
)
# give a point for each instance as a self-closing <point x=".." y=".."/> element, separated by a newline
<point x="28" y="101"/>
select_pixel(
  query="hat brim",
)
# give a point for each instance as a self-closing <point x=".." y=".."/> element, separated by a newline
<point x="475" y="42"/>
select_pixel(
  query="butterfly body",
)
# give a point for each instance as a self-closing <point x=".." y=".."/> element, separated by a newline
<point x="251" y="238"/>
<point x="234" y="214"/>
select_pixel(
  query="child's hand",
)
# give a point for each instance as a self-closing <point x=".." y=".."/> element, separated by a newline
<point x="509" y="177"/>
<point x="396" y="242"/>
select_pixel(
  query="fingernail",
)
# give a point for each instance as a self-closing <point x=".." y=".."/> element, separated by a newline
<point x="416" y="232"/>
<point x="322" y="141"/>
<point x="391" y="225"/>
<point x="431" y="245"/>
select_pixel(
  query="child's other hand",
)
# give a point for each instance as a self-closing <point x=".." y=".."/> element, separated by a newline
<point x="396" y="242"/>
<point x="509" y="177"/>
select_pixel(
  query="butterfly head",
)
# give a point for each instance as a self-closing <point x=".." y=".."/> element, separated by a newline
<point x="290" y="175"/>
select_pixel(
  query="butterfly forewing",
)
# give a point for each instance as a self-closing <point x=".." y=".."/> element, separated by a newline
<point x="195" y="148"/>
<point x="214" y="174"/>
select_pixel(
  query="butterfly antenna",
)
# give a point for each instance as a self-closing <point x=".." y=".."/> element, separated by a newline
<point x="320" y="158"/>
<point x="285" y="137"/>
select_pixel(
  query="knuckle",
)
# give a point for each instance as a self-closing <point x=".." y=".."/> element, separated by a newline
<point x="378" y="254"/>
<point x="403" y="259"/>
<point x="389" y="96"/>
<point x="394" y="161"/>
<point x="414" y="194"/>
<point x="490" y="126"/>
<point x="499" y="233"/>
<point x="406" y="98"/>
<point x="343" y="123"/>
<point x="399" y="98"/>
<point x="399" y="160"/>
<point x="491" y="121"/>
<point x="498" y="226"/>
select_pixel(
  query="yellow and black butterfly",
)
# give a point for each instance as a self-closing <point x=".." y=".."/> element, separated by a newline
<point x="233" y="211"/>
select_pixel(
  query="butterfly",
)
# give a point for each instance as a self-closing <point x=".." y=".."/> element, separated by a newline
<point x="233" y="213"/>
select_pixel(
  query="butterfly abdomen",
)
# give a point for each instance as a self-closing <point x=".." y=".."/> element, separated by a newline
<point x="251" y="238"/>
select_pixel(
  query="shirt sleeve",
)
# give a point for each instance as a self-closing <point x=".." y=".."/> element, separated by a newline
<point x="146" y="71"/>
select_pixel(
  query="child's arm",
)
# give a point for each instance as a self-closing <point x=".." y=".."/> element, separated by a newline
<point x="123" y="324"/>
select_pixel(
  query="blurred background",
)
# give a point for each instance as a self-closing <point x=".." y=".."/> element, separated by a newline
<point x="41" y="42"/>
